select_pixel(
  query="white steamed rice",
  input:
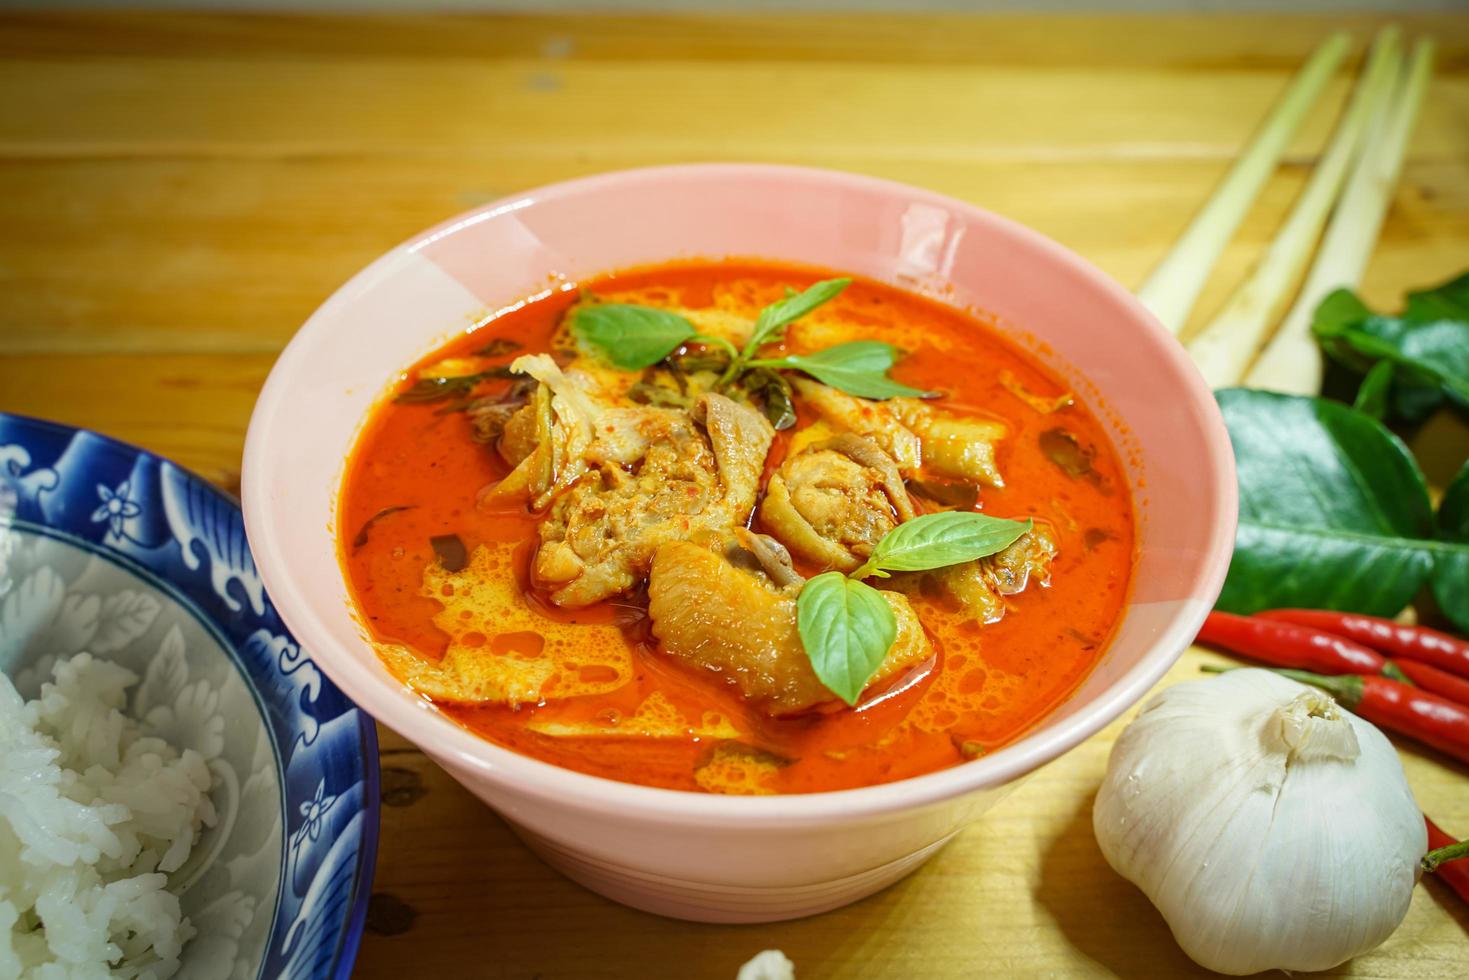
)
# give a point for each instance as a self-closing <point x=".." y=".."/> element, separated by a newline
<point x="94" y="814"/>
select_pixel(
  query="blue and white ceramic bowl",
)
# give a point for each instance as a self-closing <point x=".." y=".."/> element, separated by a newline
<point x="110" y="549"/>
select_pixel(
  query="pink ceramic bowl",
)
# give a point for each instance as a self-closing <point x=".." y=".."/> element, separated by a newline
<point x="720" y="858"/>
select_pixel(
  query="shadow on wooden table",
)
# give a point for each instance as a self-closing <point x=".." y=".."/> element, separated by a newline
<point x="1446" y="899"/>
<point x="1109" y="920"/>
<point x="457" y="895"/>
<point x="1103" y="915"/>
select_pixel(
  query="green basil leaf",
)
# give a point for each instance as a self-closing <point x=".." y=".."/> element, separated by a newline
<point x="846" y="628"/>
<point x="1334" y="512"/>
<point x="631" y="337"/>
<point x="1373" y="393"/>
<point x="866" y="356"/>
<point x="775" y="317"/>
<point x="945" y="538"/>
<point x="858" y="367"/>
<point x="1451" y="568"/>
<point x="426" y="390"/>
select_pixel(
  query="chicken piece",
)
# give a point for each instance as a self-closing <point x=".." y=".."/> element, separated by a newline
<point x="963" y="586"/>
<point x="729" y="618"/>
<point x="914" y="433"/>
<point x="772" y="557"/>
<point x="575" y="389"/>
<point x="520" y="433"/>
<point x="489" y="415"/>
<point x="832" y="502"/>
<point x="1011" y="570"/>
<point x="740" y="437"/>
<point x="978" y="586"/>
<point x="560" y="429"/>
<point x="654" y="477"/>
<point x="961" y="448"/>
<point x="872" y="419"/>
<point x="622" y="435"/>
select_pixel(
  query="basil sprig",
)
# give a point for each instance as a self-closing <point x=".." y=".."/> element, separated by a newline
<point x="936" y="540"/>
<point x="847" y="627"/>
<point x="771" y="323"/>
<point x="859" y="367"/>
<point x="634" y="337"/>
<point x="434" y="389"/>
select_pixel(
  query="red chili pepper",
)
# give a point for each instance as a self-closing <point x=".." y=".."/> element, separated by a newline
<point x="1454" y="873"/>
<point x="1403" y="708"/>
<point x="1404" y="642"/>
<point x="1430" y="678"/>
<point x="1289" y="645"/>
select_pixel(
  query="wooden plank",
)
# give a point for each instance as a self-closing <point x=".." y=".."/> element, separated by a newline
<point x="173" y="213"/>
<point x="232" y="106"/>
<point x="1183" y="40"/>
<point x="191" y="408"/>
<point x="102" y="255"/>
<point x="185" y="220"/>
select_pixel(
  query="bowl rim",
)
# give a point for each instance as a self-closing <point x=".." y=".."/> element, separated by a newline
<point x="526" y="776"/>
<point x="350" y="926"/>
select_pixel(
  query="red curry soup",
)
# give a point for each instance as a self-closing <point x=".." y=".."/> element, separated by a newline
<point x="583" y="530"/>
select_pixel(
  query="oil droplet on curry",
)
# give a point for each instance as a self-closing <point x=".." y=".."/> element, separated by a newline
<point x="599" y="568"/>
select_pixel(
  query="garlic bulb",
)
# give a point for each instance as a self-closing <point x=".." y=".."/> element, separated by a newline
<point x="1272" y="828"/>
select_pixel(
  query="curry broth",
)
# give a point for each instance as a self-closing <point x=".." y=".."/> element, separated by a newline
<point x="986" y="685"/>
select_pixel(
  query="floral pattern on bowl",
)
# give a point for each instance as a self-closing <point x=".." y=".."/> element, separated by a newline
<point x="110" y="549"/>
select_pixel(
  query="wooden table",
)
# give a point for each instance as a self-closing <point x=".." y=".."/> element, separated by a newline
<point x="181" y="192"/>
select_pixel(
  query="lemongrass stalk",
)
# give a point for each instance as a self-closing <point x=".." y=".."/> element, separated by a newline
<point x="1292" y="361"/>
<point x="1223" y="349"/>
<point x="1173" y="287"/>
